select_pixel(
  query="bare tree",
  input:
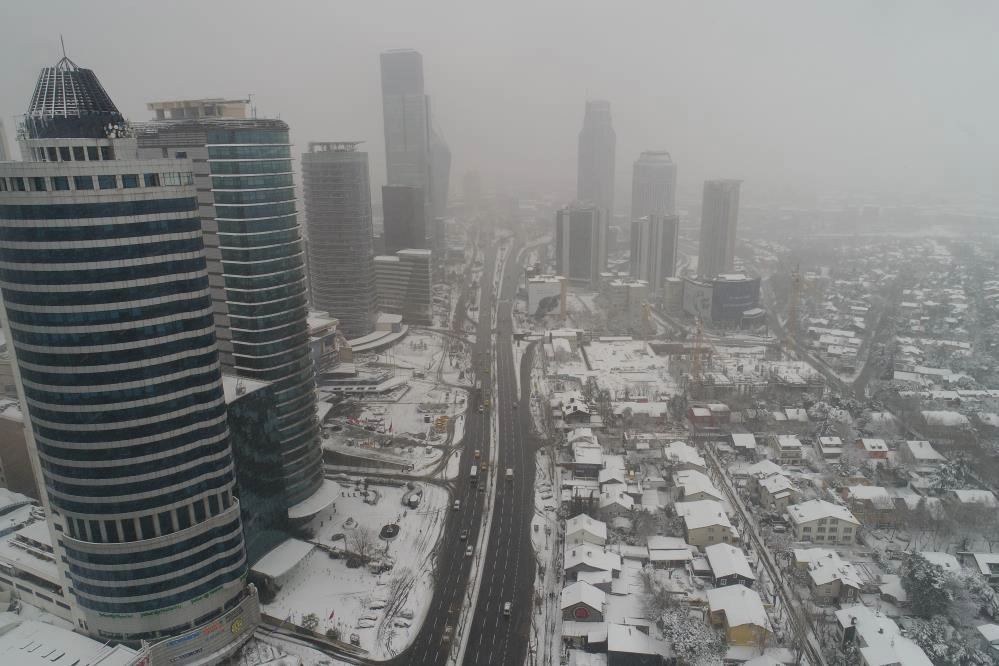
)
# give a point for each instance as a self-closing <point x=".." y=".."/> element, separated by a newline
<point x="362" y="543"/>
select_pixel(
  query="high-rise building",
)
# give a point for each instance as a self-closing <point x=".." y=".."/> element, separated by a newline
<point x="581" y="243"/>
<point x="4" y="146"/>
<point x="403" y="284"/>
<point x="338" y="222"/>
<point x="404" y="219"/>
<point x="595" y="165"/>
<point x="406" y="113"/>
<point x="654" y="241"/>
<point x="108" y="316"/>
<point x="719" y="216"/>
<point x="653" y="185"/>
<point x="440" y="181"/>
<point x="244" y="176"/>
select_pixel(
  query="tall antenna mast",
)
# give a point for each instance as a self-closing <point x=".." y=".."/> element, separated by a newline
<point x="61" y="41"/>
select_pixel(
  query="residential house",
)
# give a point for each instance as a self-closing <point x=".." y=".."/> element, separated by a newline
<point x="729" y="565"/>
<point x="700" y="417"/>
<point x="943" y="424"/>
<point x="590" y="558"/>
<point x="587" y="460"/>
<point x="583" y="602"/>
<point x="777" y="492"/>
<point x="668" y="552"/>
<point x="878" y="637"/>
<point x="585" y="530"/>
<point x="987" y="565"/>
<point x="739" y="610"/>
<point x="921" y="455"/>
<point x="681" y="456"/>
<point x="692" y="485"/>
<point x="744" y="444"/>
<point x="873" y="448"/>
<point x="705" y="523"/>
<point x="830" y="578"/>
<point x="720" y="413"/>
<point x="823" y="522"/>
<point x="630" y="646"/>
<point x="871" y="505"/>
<point x="830" y="448"/>
<point x="973" y="496"/>
<point x="615" y="504"/>
<point x="786" y="449"/>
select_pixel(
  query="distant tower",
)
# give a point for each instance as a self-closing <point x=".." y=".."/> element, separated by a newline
<point x="653" y="185"/>
<point x="719" y="216"/>
<point x="404" y="214"/>
<point x="471" y="190"/>
<point x="407" y="119"/>
<point x="108" y="317"/>
<point x="338" y="220"/>
<point x="440" y="182"/>
<point x="595" y="165"/>
<point x="654" y="241"/>
<point x="4" y="146"/>
<point x="581" y="243"/>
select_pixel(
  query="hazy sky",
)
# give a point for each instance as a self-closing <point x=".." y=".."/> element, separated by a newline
<point x="890" y="98"/>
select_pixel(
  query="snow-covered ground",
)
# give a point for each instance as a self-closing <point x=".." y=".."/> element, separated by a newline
<point x="386" y="609"/>
<point x="271" y="649"/>
<point x="547" y="539"/>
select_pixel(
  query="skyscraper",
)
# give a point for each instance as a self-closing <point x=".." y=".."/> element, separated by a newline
<point x="653" y="185"/>
<point x="338" y="220"/>
<point x="4" y="146"/>
<point x="404" y="215"/>
<point x="407" y="119"/>
<point x="440" y="182"/>
<point x="719" y="216"/>
<point x="109" y="321"/>
<point x="257" y="269"/>
<point x="595" y="165"/>
<point x="581" y="243"/>
<point x="654" y="240"/>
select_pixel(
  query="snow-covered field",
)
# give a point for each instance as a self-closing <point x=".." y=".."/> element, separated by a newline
<point x="547" y="539"/>
<point x="386" y="609"/>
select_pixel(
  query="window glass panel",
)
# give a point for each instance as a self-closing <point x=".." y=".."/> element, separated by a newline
<point x="107" y="153"/>
<point x="64" y="154"/>
<point x="92" y="153"/>
<point x="171" y="178"/>
<point x="151" y="179"/>
<point x="108" y="182"/>
<point x="83" y="182"/>
<point x="60" y="183"/>
<point x="53" y="154"/>
<point x="129" y="180"/>
<point x="78" y="154"/>
<point x="38" y="184"/>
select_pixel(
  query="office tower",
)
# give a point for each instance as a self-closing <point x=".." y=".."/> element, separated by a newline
<point x="109" y="318"/>
<point x="212" y="107"/>
<point x="407" y="119"/>
<point x="404" y="216"/>
<point x="595" y="176"/>
<point x="581" y="243"/>
<point x="440" y="181"/>
<point x="4" y="146"/>
<point x="243" y="169"/>
<point x="403" y="284"/>
<point x="654" y="240"/>
<point x="653" y="185"/>
<point x="338" y="222"/>
<point x="719" y="215"/>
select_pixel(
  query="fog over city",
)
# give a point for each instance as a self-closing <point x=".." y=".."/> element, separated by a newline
<point x="893" y="100"/>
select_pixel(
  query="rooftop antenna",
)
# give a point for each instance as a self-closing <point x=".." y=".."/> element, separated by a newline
<point x="253" y="109"/>
<point x="61" y="41"/>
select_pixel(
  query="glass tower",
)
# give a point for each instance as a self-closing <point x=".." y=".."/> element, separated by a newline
<point x="109" y="318"/>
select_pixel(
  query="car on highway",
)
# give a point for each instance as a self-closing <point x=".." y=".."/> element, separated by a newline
<point x="481" y="409"/>
<point x="457" y="504"/>
<point x="507" y="606"/>
<point x="464" y="535"/>
<point x="478" y="454"/>
<point x="469" y="551"/>
<point x="509" y="474"/>
<point x="448" y="633"/>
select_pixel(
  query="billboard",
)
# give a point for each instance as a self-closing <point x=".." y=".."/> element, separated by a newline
<point x="546" y="296"/>
<point x="697" y="297"/>
<point x="734" y="295"/>
<point x="218" y="637"/>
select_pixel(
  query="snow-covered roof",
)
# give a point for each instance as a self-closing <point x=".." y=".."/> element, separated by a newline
<point x="743" y="440"/>
<point x="873" y="445"/>
<point x="764" y="468"/>
<point x="830" y="443"/>
<point x="811" y="510"/>
<point x="990" y="632"/>
<point x="741" y="605"/>
<point x="587" y="455"/>
<point x="875" y="494"/>
<point x="282" y="558"/>
<point x="945" y="560"/>
<point x="33" y="643"/>
<point x="922" y="451"/>
<point x="727" y="560"/>
<point x="582" y="592"/>
<point x="681" y="452"/>
<point x="776" y="484"/>
<point x="596" y="577"/>
<point x="945" y="418"/>
<point x="593" y="556"/>
<point x="583" y="523"/>
<point x="974" y="496"/>
<point x="702" y="513"/>
<point x="788" y="442"/>
<point x="988" y="563"/>
<point x="694" y="482"/>
<point x="891" y="585"/>
<point x="898" y="650"/>
<point x="700" y="412"/>
<point x="670" y="555"/>
<point x="609" y="474"/>
<point x="656" y="542"/>
<point x="825" y="566"/>
<point x="870" y="624"/>
<point x="616" y="498"/>
<point x="796" y="414"/>
<point x="581" y="434"/>
<point x="630" y="640"/>
<point x="763" y="660"/>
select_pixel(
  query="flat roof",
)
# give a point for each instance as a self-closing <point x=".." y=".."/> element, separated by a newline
<point x="30" y="642"/>
<point x="282" y="558"/>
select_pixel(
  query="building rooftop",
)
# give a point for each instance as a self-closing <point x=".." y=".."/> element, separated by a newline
<point x="703" y="513"/>
<point x="741" y="605"/>
<point x="582" y="592"/>
<point x="811" y="510"/>
<point x="30" y="643"/>
<point x="70" y="102"/>
<point x="727" y="560"/>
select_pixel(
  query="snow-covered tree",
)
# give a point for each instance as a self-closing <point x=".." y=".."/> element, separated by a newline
<point x="693" y="641"/>
<point x="928" y="586"/>
<point x="944" y="645"/>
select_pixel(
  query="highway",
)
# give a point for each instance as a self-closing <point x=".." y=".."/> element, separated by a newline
<point x="509" y="568"/>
